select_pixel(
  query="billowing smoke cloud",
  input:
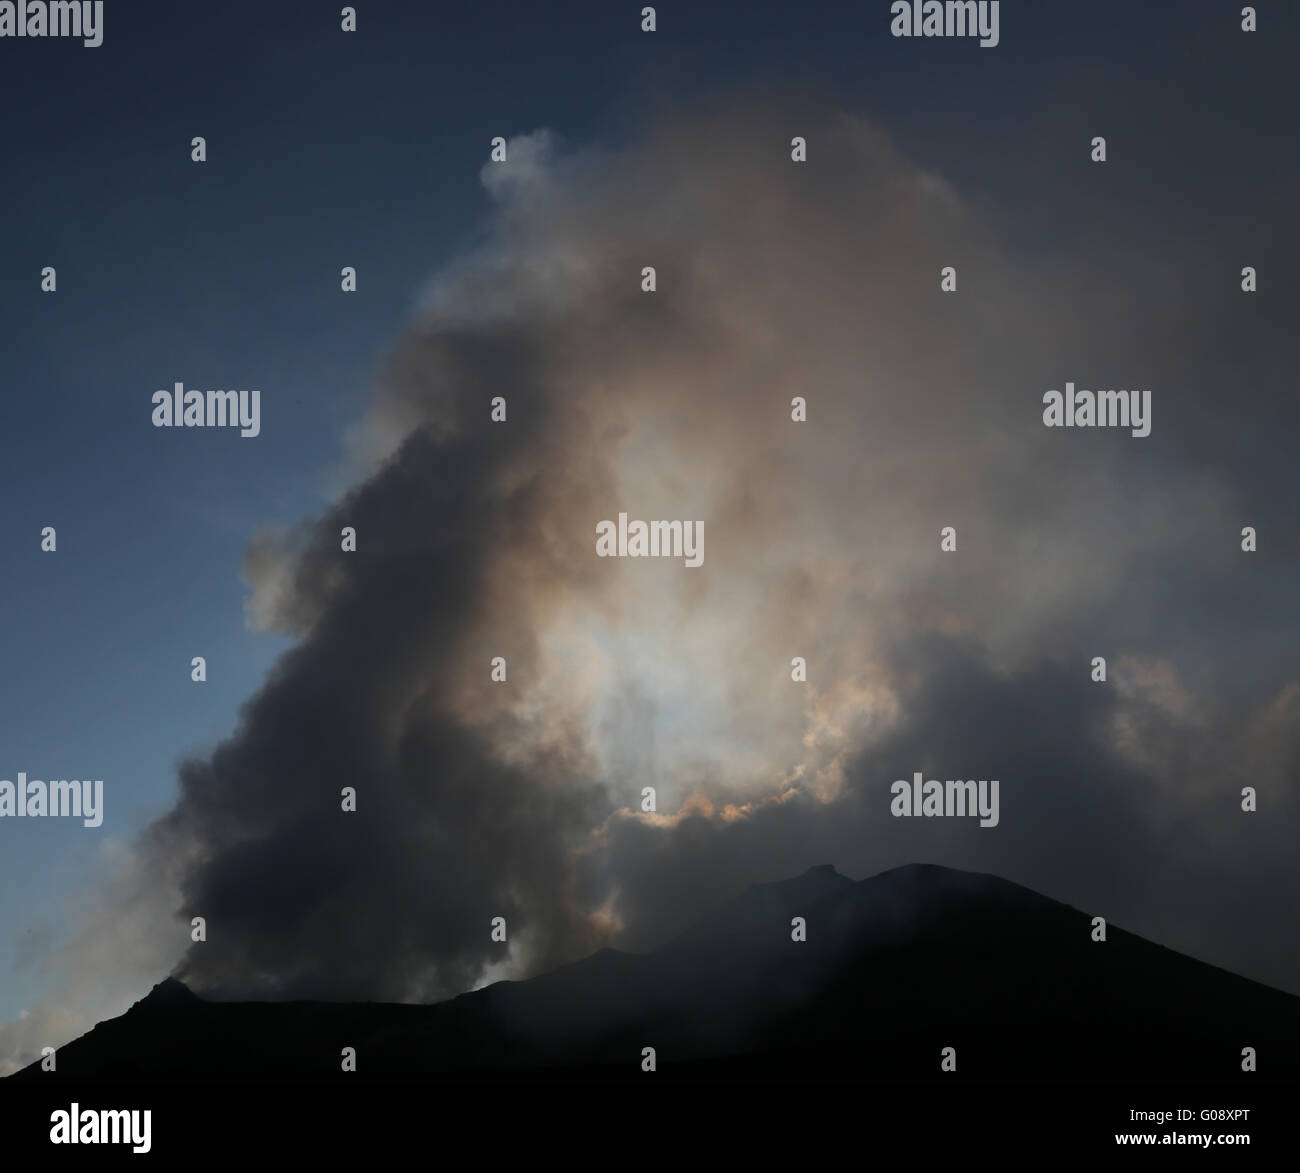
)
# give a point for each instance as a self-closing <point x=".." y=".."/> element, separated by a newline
<point x="476" y="539"/>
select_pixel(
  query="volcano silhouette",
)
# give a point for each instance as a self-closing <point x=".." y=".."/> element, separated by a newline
<point x="894" y="970"/>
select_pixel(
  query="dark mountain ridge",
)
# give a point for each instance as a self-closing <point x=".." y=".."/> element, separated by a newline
<point x="894" y="969"/>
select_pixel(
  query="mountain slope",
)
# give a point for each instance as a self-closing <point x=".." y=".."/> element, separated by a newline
<point x="894" y="969"/>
